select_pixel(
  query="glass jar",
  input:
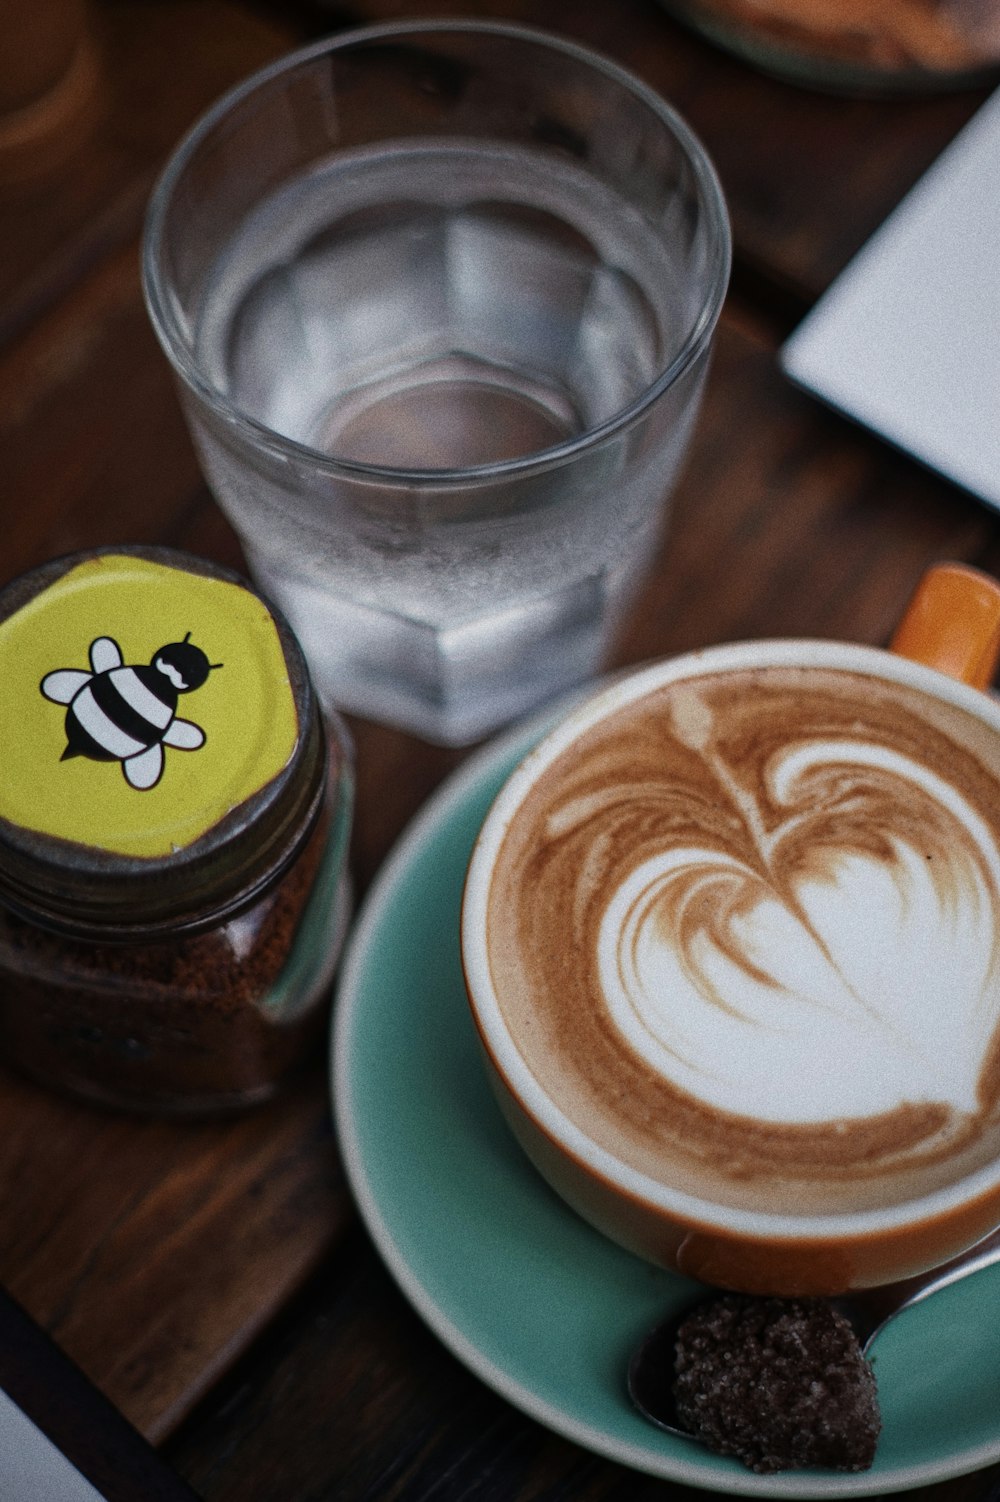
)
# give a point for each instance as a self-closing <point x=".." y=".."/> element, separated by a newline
<point x="856" y="46"/>
<point x="174" y="822"/>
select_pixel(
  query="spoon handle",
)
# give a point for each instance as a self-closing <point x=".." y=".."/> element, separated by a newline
<point x="871" y="1310"/>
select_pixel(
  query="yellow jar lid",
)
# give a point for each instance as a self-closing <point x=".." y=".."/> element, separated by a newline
<point x="155" y="717"/>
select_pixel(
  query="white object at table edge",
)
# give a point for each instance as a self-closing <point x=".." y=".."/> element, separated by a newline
<point x="907" y="339"/>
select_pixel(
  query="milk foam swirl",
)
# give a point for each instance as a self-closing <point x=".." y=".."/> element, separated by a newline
<point x="732" y="978"/>
<point x="747" y="934"/>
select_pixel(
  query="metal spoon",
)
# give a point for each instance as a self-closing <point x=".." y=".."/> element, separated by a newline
<point x="651" y="1369"/>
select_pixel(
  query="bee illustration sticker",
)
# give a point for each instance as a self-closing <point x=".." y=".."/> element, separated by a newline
<point x="128" y="713"/>
<point x="177" y="676"/>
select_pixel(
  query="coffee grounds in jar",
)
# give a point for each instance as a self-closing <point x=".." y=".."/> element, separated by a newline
<point x="778" y="1383"/>
<point x="175" y="1025"/>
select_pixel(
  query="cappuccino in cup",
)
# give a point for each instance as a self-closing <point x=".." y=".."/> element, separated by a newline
<point x="732" y="942"/>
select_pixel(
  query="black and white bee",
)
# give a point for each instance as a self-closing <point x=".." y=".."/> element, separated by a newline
<point x="128" y="713"/>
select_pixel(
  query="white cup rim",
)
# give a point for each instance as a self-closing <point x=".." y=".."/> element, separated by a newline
<point x="509" y="1062"/>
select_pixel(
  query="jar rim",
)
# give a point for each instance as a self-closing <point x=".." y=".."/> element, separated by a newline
<point x="87" y="891"/>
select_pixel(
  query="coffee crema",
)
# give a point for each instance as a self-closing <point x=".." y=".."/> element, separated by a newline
<point x="746" y="935"/>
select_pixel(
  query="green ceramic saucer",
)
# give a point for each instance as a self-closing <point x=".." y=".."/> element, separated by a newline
<point x="526" y="1294"/>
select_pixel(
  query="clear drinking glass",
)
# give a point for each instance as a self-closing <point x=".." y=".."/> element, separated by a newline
<point x="440" y="298"/>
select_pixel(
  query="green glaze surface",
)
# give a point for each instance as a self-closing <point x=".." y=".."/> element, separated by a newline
<point x="527" y="1295"/>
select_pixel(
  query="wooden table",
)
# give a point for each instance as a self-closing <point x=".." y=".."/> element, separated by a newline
<point x="214" y="1280"/>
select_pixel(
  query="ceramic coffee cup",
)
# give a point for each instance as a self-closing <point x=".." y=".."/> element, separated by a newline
<point x="731" y="939"/>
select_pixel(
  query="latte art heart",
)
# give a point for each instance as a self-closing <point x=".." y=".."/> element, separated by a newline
<point x="731" y="978"/>
<point x="746" y="934"/>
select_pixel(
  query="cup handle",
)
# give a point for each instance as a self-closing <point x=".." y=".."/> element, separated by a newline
<point x="952" y="623"/>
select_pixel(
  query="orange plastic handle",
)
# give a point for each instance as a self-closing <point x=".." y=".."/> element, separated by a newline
<point x="952" y="623"/>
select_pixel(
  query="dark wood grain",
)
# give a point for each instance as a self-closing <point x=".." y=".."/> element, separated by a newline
<point x="199" y="1273"/>
<point x="162" y="63"/>
<point x="152" y="1251"/>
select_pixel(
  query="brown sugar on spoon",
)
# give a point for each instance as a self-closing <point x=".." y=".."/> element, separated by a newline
<point x="778" y="1383"/>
